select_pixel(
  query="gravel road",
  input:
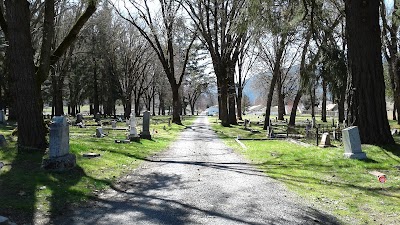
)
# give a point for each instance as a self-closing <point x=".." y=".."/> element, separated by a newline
<point x="198" y="180"/>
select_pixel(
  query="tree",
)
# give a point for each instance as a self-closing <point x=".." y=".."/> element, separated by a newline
<point x="163" y="37"/>
<point x="366" y="73"/>
<point x="390" y="39"/>
<point x="222" y="25"/>
<point x="22" y="73"/>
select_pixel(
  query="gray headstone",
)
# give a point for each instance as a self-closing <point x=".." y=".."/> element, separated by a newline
<point x="146" y="126"/>
<point x="352" y="143"/>
<point x="3" y="141"/>
<point x="2" y="116"/>
<point x="59" y="157"/>
<point x="99" y="132"/>
<point x="114" y="124"/>
<point x="79" y="118"/>
<point x="59" y="137"/>
<point x="97" y="117"/>
<point x="325" y="141"/>
<point x="246" y="123"/>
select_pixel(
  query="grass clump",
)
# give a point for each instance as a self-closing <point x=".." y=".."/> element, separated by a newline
<point x="341" y="186"/>
<point x="27" y="191"/>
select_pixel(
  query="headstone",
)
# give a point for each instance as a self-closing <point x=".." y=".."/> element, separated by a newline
<point x="2" y="116"/>
<point x="169" y="122"/>
<point x="3" y="141"/>
<point x="114" y="124"/>
<point x="146" y="126"/>
<point x="395" y="132"/>
<point x="97" y="117"/>
<point x="334" y="134"/>
<point x="59" y="157"/>
<point x="313" y="122"/>
<point x="325" y="141"/>
<point x="79" y="118"/>
<point x="308" y="127"/>
<point x="246" y="123"/>
<point x="133" y="135"/>
<point x="99" y="132"/>
<point x="127" y="122"/>
<point x="352" y="143"/>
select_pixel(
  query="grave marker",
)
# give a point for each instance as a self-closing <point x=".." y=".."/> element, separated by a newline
<point x="352" y="143"/>
<point x="325" y="141"/>
<point x="133" y="136"/>
<point x="3" y="141"/>
<point x="59" y="157"/>
<point x="114" y="124"/>
<point x="146" y="126"/>
<point x="99" y="132"/>
<point x="2" y="116"/>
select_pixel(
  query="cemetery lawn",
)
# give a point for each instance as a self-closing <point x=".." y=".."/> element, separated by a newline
<point x="26" y="190"/>
<point x="325" y="179"/>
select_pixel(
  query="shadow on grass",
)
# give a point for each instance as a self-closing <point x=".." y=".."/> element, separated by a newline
<point x="20" y="185"/>
<point x="394" y="149"/>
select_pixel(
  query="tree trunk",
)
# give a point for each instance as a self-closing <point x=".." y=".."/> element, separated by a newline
<point x="96" y="104"/>
<point x="366" y="87"/>
<point x="31" y="130"/>
<point x="269" y="98"/>
<point x="176" y="104"/>
<point x="292" y="120"/>
<point x="239" y="103"/>
<point x="342" y="100"/>
<point x="323" y="109"/>
<point x="223" y="100"/>
<point x="281" y="98"/>
<point x="232" y="96"/>
<point x="312" y="96"/>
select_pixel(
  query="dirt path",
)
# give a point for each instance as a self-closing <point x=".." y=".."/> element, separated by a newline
<point x="197" y="181"/>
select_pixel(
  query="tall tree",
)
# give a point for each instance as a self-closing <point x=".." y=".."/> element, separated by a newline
<point x="163" y="37"/>
<point x="366" y="72"/>
<point x="222" y="26"/>
<point x="22" y="71"/>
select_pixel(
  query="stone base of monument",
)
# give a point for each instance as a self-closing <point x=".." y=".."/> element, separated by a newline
<point x="61" y="163"/>
<point x="135" y="138"/>
<point x="359" y="155"/>
<point x="145" y="136"/>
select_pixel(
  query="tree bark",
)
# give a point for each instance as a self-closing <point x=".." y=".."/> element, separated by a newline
<point x="232" y="96"/>
<point x="31" y="130"/>
<point x="281" y="98"/>
<point x="366" y="87"/>
<point x="323" y="109"/>
<point x="269" y="97"/>
<point x="176" y="104"/>
<point x="292" y="120"/>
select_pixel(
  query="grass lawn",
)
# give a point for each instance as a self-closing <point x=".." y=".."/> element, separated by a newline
<point x="27" y="190"/>
<point x="324" y="178"/>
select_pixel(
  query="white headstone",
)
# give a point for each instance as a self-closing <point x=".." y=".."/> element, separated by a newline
<point x="59" y="157"/>
<point x="352" y="143"/>
<point x="325" y="140"/>
<point x="132" y="122"/>
<point x="59" y="137"/>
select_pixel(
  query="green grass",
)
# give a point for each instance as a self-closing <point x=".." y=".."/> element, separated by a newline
<point x="341" y="186"/>
<point x="26" y="189"/>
